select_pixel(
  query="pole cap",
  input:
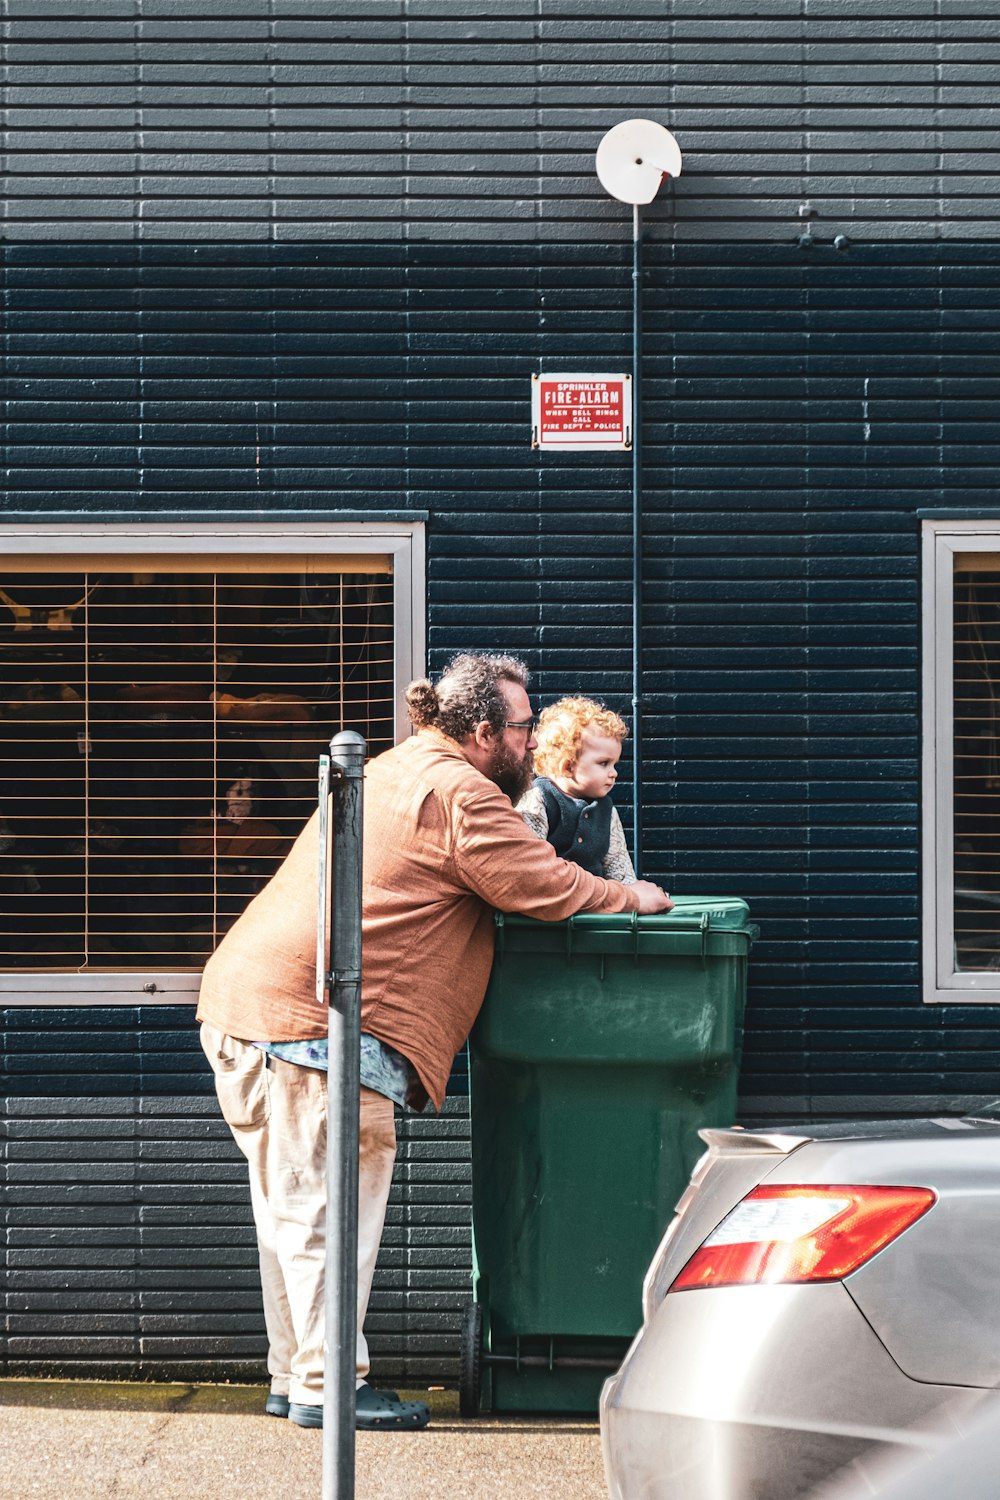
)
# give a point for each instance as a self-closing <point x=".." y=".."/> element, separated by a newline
<point x="347" y="751"/>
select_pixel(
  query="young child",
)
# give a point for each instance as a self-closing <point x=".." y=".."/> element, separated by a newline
<point x="579" y="745"/>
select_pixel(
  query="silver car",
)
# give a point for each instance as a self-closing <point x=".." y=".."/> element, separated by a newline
<point x="964" y="1467"/>
<point x="823" y="1297"/>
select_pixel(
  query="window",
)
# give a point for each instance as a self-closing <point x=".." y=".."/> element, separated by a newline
<point x="962" y="762"/>
<point x="164" y="700"/>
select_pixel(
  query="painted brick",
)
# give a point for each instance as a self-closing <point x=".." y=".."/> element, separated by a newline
<point x="161" y="281"/>
<point x="461" y="126"/>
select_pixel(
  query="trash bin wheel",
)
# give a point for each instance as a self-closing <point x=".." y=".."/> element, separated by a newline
<point x="470" y="1361"/>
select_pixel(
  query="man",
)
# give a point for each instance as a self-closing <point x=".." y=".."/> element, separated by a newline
<point x="443" y="847"/>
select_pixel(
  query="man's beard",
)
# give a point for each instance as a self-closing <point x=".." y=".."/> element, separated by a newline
<point x="513" y="774"/>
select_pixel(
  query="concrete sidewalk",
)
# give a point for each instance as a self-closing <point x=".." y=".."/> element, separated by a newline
<point x="83" y="1440"/>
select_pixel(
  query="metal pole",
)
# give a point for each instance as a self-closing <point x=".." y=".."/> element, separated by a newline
<point x="636" y="538"/>
<point x="347" y="759"/>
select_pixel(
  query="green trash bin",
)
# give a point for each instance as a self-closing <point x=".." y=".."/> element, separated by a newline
<point x="604" y="1044"/>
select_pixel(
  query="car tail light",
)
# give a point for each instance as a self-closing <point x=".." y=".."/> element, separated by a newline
<point x="802" y="1233"/>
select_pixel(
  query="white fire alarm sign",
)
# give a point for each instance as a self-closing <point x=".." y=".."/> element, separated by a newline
<point x="581" y="411"/>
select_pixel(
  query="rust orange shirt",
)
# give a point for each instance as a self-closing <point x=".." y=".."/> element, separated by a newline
<point x="443" y="847"/>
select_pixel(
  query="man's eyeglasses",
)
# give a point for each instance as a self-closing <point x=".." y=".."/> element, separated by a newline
<point x="529" y="724"/>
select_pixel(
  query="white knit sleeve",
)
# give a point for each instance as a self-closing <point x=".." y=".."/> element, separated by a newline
<point x="532" y="810"/>
<point x="617" y="865"/>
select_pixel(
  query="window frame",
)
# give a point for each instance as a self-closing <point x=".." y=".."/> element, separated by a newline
<point x="401" y="541"/>
<point x="942" y="983"/>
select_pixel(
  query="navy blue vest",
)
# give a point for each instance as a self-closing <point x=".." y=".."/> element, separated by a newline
<point x="580" y="832"/>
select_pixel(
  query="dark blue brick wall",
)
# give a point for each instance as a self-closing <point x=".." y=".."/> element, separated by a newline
<point x="112" y="1052"/>
<point x="800" y="406"/>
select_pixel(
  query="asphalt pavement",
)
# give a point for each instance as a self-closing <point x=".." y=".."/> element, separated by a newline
<point x="88" y="1440"/>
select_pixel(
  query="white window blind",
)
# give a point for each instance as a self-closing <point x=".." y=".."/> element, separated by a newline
<point x="160" y="723"/>
<point x="976" y="758"/>
<point x="960" y="771"/>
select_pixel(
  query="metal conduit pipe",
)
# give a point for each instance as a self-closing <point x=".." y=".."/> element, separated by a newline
<point x="636" y="537"/>
<point x="634" y="159"/>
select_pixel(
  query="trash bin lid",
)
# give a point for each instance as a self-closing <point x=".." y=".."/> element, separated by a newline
<point x="712" y="921"/>
<point x="729" y="912"/>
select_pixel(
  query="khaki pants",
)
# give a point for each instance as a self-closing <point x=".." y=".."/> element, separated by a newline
<point x="277" y="1114"/>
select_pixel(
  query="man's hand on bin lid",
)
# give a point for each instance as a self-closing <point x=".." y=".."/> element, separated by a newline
<point x="651" y="898"/>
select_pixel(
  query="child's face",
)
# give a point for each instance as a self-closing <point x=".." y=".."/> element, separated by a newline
<point x="596" y="769"/>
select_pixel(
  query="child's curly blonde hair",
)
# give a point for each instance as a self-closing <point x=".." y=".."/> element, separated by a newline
<point x="561" y="728"/>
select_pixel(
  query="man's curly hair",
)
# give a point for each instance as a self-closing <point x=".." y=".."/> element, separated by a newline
<point x="467" y="693"/>
<point x="561" y="728"/>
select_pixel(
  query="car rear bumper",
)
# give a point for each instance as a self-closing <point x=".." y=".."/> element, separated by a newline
<point x="757" y="1393"/>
